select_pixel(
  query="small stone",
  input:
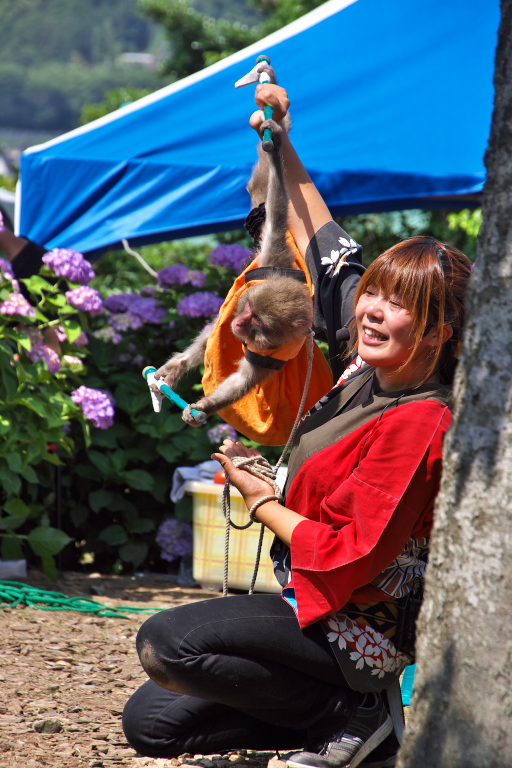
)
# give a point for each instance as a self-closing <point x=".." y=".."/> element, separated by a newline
<point x="206" y="762"/>
<point x="51" y="725"/>
<point x="74" y="709"/>
<point x="54" y="688"/>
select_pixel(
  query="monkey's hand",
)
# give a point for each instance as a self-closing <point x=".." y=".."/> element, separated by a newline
<point x="172" y="371"/>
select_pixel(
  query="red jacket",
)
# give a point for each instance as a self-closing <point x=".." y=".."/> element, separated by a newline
<point x="364" y="497"/>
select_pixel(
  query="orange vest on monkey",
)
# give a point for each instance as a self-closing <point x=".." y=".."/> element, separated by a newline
<point x="267" y="413"/>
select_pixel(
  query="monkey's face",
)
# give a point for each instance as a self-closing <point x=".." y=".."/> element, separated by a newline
<point x="272" y="313"/>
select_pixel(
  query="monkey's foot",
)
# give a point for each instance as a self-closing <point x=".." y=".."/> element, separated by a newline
<point x="187" y="416"/>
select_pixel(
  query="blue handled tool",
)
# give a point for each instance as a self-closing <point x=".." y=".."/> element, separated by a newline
<point x="262" y="73"/>
<point x="164" y="390"/>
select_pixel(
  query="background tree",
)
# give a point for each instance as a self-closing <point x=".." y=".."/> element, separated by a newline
<point x="462" y="707"/>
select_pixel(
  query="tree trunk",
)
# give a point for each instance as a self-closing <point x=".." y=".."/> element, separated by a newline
<point x="461" y="714"/>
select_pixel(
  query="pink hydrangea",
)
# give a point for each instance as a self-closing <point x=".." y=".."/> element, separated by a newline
<point x="17" y="304"/>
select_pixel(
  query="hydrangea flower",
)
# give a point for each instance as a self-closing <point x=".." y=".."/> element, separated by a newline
<point x="6" y="267"/>
<point x="97" y="406"/>
<point x="197" y="278"/>
<point x="60" y="333"/>
<point x="2" y="223"/>
<point x="85" y="298"/>
<point x="119" y="302"/>
<point x="41" y="351"/>
<point x="124" y="321"/>
<point x="148" y="309"/>
<point x="230" y="256"/>
<point x="148" y="290"/>
<point x="219" y="433"/>
<point x="108" y="334"/>
<point x="200" y="304"/>
<point x="174" y="539"/>
<point x="17" y="304"/>
<point x="176" y="274"/>
<point x="82" y="340"/>
<point x="71" y="264"/>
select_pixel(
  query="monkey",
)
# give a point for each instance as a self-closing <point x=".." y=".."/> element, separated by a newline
<point x="271" y="314"/>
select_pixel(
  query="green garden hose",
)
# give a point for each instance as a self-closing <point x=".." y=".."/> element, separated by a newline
<point x="13" y="593"/>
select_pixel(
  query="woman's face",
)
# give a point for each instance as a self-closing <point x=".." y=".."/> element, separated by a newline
<point x="385" y="333"/>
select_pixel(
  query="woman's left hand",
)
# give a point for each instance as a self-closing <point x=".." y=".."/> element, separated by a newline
<point x="252" y="488"/>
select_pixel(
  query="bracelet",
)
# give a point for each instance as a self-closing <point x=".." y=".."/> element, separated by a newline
<point x="257" y="504"/>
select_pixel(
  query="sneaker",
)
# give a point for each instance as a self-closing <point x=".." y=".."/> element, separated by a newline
<point x="368" y="727"/>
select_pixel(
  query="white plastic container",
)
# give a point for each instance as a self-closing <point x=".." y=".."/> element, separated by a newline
<point x="209" y="531"/>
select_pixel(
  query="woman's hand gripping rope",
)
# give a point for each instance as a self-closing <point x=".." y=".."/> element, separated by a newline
<point x="253" y="476"/>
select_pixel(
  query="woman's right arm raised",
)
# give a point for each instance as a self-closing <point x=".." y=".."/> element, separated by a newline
<point x="307" y="211"/>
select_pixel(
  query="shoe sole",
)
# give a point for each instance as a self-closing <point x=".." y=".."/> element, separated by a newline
<point x="375" y="739"/>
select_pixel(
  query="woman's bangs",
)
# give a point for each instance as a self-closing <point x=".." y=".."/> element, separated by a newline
<point x="395" y="278"/>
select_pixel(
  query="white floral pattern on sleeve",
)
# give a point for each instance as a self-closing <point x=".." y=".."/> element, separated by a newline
<point x="366" y="645"/>
<point x="338" y="259"/>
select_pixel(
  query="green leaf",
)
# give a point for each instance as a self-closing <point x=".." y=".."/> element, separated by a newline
<point x="141" y="525"/>
<point x="119" y="460"/>
<point x="17" y="507"/>
<point x="73" y="329"/>
<point x="113" y="535"/>
<point x="37" y="284"/>
<point x="102" y="462"/>
<point x="10" y="548"/>
<point x="5" y="425"/>
<point x="148" y="429"/>
<point x="134" y="552"/>
<point x="169" y="452"/>
<point x="29" y="474"/>
<point x="78" y="514"/>
<point x="11" y="522"/>
<point x="14" y="461"/>
<point x="49" y="567"/>
<point x="139" y="479"/>
<point x="100" y="499"/>
<point x="47" y="541"/>
<point x="9" y="481"/>
<point x="9" y="381"/>
<point x="36" y="405"/>
<point x="51" y="458"/>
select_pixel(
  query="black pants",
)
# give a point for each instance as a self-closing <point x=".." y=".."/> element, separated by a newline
<point x="236" y="672"/>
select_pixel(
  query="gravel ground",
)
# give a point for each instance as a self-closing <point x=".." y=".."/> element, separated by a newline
<point x="65" y="677"/>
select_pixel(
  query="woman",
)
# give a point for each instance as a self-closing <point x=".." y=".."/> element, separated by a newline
<point x="263" y="672"/>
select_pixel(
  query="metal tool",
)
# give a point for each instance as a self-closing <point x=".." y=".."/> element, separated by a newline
<point x="164" y="390"/>
<point x="262" y="73"/>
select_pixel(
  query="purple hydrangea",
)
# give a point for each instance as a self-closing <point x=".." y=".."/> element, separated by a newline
<point x="17" y="304"/>
<point x="60" y="333"/>
<point x="82" y="340"/>
<point x="97" y="406"/>
<point x="119" y="302"/>
<point x="2" y="223"/>
<point x="124" y="321"/>
<point x="108" y="334"/>
<point x="149" y="310"/>
<point x="148" y="290"/>
<point x="6" y="267"/>
<point x="219" y="433"/>
<point x="200" y="304"/>
<point x="230" y="256"/>
<point x="68" y="263"/>
<point x="174" y="539"/>
<point x="197" y="278"/>
<point x="41" y="351"/>
<point x="86" y="298"/>
<point x="176" y="274"/>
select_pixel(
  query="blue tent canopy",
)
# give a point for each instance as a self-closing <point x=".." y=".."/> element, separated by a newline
<point x="392" y="104"/>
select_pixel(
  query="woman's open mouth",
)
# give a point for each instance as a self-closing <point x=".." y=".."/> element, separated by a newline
<point x="371" y="336"/>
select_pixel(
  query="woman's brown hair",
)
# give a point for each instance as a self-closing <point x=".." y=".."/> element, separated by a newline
<point x="429" y="279"/>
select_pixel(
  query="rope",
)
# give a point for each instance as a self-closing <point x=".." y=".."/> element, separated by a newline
<point x="260" y="467"/>
<point x="126" y="246"/>
<point x="14" y="593"/>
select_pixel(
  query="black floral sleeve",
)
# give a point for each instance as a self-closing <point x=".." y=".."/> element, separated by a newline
<point x="335" y="262"/>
